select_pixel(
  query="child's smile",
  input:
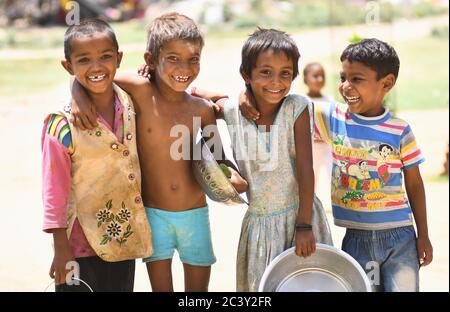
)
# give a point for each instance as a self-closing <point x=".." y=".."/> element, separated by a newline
<point x="271" y="78"/>
<point x="178" y="64"/>
<point x="94" y="61"/>
<point x="361" y="89"/>
<point x="97" y="78"/>
<point x="181" y="79"/>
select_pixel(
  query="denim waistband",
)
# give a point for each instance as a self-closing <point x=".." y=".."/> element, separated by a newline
<point x="378" y="233"/>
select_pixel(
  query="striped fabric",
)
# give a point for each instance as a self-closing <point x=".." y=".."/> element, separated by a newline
<point x="58" y="127"/>
<point x="369" y="156"/>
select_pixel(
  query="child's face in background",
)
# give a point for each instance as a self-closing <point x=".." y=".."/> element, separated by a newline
<point x="178" y="64"/>
<point x="94" y="61"/>
<point x="361" y="90"/>
<point x="271" y="78"/>
<point x="315" y="79"/>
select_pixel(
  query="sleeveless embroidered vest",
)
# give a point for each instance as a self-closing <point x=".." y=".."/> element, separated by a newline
<point x="106" y="189"/>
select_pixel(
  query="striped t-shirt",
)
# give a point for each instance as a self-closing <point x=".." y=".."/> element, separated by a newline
<point x="369" y="155"/>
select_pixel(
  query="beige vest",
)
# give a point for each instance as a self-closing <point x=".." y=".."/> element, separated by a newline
<point x="106" y="190"/>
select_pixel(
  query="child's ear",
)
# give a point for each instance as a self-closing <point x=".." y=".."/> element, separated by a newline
<point x="149" y="60"/>
<point x="119" y="58"/>
<point x="245" y="77"/>
<point x="388" y="82"/>
<point x="67" y="66"/>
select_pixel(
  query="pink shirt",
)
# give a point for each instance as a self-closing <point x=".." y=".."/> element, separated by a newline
<point x="56" y="177"/>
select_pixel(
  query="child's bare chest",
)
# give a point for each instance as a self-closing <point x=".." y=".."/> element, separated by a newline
<point x="161" y="125"/>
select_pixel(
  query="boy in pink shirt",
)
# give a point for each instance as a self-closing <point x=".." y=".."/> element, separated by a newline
<point x="91" y="190"/>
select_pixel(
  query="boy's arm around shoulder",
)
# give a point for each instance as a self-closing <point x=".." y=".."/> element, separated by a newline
<point x="138" y="87"/>
<point x="216" y="100"/>
<point x="83" y="112"/>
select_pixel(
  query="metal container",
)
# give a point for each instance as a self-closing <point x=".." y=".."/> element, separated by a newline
<point x="327" y="270"/>
<point x="213" y="181"/>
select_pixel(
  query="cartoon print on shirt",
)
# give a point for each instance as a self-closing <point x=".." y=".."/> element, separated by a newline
<point x="360" y="170"/>
<point x="382" y="155"/>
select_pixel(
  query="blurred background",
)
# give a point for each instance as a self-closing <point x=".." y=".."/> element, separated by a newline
<point x="33" y="84"/>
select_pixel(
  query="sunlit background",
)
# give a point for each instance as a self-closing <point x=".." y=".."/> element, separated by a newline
<point x="33" y="83"/>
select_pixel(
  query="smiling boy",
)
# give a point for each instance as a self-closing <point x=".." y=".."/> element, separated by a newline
<point x="380" y="219"/>
<point x="175" y="203"/>
<point x="89" y="196"/>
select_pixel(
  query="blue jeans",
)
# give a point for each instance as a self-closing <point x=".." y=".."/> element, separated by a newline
<point x="389" y="257"/>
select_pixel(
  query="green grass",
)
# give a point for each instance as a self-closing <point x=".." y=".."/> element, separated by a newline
<point x="422" y="84"/>
<point x="438" y="179"/>
<point x="423" y="81"/>
<point x="22" y="77"/>
<point x="32" y="38"/>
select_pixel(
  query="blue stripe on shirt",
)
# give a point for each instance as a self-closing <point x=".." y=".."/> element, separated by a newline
<point x="397" y="215"/>
<point x="363" y="133"/>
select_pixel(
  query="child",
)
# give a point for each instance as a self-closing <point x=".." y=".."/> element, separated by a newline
<point x="283" y="210"/>
<point x="91" y="180"/>
<point x="175" y="203"/>
<point x="366" y="138"/>
<point x="314" y="79"/>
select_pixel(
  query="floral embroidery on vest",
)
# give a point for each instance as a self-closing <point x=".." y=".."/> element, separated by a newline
<point x="114" y="224"/>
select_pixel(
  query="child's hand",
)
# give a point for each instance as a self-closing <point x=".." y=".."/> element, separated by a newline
<point x="247" y="105"/>
<point x="83" y="116"/>
<point x="238" y="182"/>
<point x="58" y="269"/>
<point x="305" y="243"/>
<point x="424" y="250"/>
<point x="218" y="109"/>
<point x="144" y="71"/>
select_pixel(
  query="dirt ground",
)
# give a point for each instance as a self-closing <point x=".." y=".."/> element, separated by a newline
<point x="27" y="251"/>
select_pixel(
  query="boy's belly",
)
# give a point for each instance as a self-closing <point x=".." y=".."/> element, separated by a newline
<point x="171" y="187"/>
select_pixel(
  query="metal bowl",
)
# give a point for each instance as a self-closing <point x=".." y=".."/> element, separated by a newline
<point x="327" y="270"/>
<point x="213" y="181"/>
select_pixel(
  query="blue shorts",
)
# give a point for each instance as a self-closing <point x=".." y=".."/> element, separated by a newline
<point x="186" y="231"/>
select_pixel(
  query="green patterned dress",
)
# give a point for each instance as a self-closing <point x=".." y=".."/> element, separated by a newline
<point x="267" y="161"/>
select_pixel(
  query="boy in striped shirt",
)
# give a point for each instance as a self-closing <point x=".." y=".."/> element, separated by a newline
<point x="373" y="153"/>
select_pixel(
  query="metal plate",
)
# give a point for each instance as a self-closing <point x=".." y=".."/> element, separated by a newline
<point x="213" y="181"/>
<point x="327" y="270"/>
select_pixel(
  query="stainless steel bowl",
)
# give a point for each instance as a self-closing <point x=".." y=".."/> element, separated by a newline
<point x="327" y="270"/>
<point x="213" y="181"/>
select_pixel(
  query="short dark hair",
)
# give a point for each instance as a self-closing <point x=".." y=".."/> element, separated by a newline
<point x="87" y="27"/>
<point x="268" y="39"/>
<point x="171" y="26"/>
<point x="374" y="53"/>
<point x="309" y="66"/>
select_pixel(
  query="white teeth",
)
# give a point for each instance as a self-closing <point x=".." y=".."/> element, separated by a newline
<point x="97" y="78"/>
<point x="352" y="99"/>
<point x="181" y="78"/>
<point x="274" y="91"/>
